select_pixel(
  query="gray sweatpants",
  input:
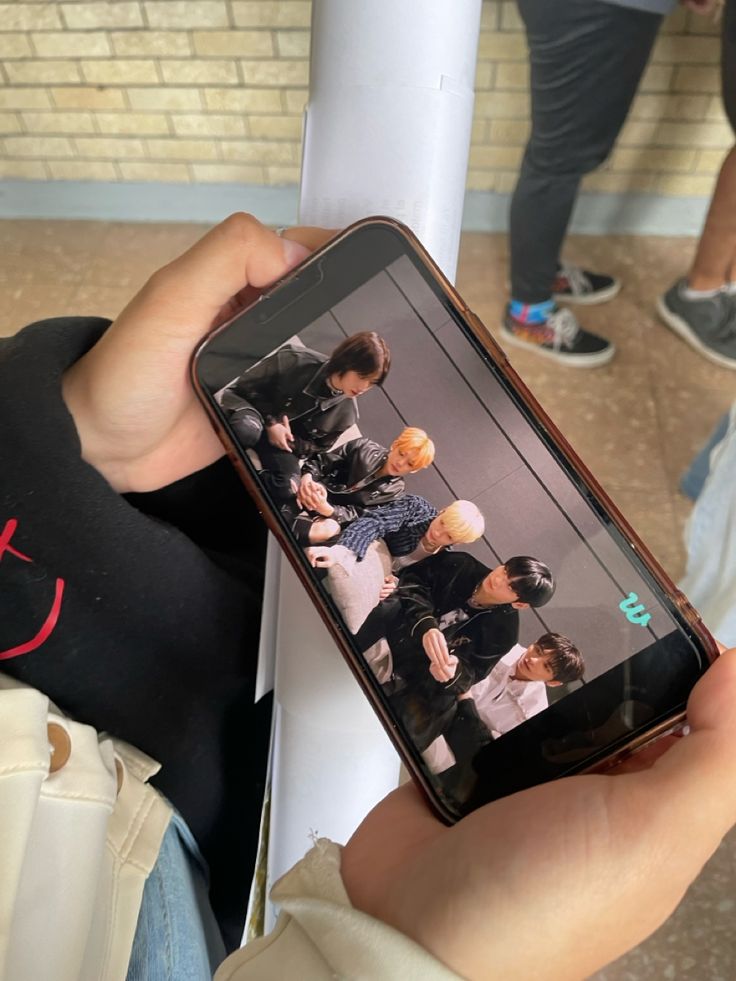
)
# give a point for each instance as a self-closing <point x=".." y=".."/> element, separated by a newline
<point x="586" y="59"/>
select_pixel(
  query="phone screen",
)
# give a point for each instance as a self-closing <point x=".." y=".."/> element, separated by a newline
<point x="504" y="624"/>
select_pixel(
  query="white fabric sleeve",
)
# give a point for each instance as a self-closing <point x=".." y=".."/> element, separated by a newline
<point x="320" y="936"/>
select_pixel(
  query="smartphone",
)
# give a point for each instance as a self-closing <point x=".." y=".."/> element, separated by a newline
<point x="506" y="623"/>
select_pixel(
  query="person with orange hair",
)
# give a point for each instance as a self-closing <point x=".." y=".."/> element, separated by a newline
<point x="340" y="485"/>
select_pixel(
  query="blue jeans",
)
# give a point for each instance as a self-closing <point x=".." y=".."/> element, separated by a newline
<point x="177" y="938"/>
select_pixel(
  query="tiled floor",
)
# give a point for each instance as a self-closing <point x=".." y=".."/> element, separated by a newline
<point x="636" y="422"/>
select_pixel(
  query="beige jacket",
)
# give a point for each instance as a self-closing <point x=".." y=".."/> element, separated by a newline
<point x="81" y="830"/>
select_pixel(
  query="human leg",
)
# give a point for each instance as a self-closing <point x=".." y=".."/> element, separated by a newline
<point x="701" y="308"/>
<point x="586" y="60"/>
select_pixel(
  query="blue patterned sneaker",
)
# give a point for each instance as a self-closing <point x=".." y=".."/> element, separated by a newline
<point x="558" y="337"/>
<point x="576" y="285"/>
<point x="708" y="324"/>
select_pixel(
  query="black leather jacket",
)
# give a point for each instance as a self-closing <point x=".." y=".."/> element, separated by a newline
<point x="292" y="382"/>
<point x="350" y="474"/>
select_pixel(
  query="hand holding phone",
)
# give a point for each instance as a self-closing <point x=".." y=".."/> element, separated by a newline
<point x="517" y="580"/>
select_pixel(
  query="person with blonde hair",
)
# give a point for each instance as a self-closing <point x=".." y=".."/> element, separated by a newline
<point x="341" y="485"/>
<point x="412" y="529"/>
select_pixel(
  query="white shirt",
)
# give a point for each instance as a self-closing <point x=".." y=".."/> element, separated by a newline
<point x="502" y="703"/>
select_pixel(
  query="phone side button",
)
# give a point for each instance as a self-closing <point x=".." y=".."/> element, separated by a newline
<point x="480" y="328"/>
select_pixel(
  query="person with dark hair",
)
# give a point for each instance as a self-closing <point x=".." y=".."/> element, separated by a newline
<point x="514" y="691"/>
<point x="448" y="623"/>
<point x="297" y="401"/>
<point x="337" y="487"/>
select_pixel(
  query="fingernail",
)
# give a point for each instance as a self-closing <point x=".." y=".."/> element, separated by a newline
<point x="294" y="252"/>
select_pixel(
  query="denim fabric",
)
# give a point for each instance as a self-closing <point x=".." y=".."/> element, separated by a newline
<point x="177" y="938"/>
<point x="691" y="482"/>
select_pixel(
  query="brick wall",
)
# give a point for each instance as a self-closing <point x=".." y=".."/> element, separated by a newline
<point x="213" y="90"/>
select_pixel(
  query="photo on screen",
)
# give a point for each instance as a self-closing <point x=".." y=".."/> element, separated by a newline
<point x="469" y="570"/>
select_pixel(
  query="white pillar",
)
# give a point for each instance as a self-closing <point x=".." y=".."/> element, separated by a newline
<point x="387" y="131"/>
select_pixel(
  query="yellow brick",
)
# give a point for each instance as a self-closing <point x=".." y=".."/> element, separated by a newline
<point x="502" y="47"/>
<point x="502" y="105"/>
<point x="83" y="16"/>
<point x="14" y="46"/>
<point x="157" y="99"/>
<point x="78" y="170"/>
<point x="227" y="173"/>
<point x="716" y="112"/>
<point x="275" y="127"/>
<point x="38" y="146"/>
<point x="58" y="122"/>
<point x="88" y="98"/>
<point x="508" y="132"/>
<point x="164" y="44"/>
<point x="689" y="184"/>
<point x="109" y="148"/>
<point x="282" y="175"/>
<point x="184" y="150"/>
<point x="41" y="72"/>
<point x="277" y="72"/>
<point x="243" y="44"/>
<point x="186" y="13"/>
<point x="495" y="157"/>
<point x="199" y="72"/>
<point x="71" y="44"/>
<point x="120" y="72"/>
<point x="657" y="78"/>
<point x="679" y="50"/>
<point x="132" y="123"/>
<point x="510" y="18"/>
<point x="9" y="123"/>
<point x="24" y="99"/>
<point x="653" y="159"/>
<point x="703" y="25"/>
<point x="510" y="75"/>
<point x="489" y="15"/>
<point x="709" y="161"/>
<point x="208" y="124"/>
<point x="292" y="44"/>
<point x="700" y="78"/>
<point x="676" y="23"/>
<point x="243" y="100"/>
<point x="705" y="135"/>
<point x="619" y="183"/>
<point x="504" y="183"/>
<point x="260" y="152"/>
<point x="479" y="180"/>
<point x="484" y="75"/>
<point x="665" y="106"/>
<point x="23" y="170"/>
<point x="260" y="13"/>
<point x="638" y="133"/>
<point x="479" y="132"/>
<point x="30" y="16"/>
<point x="295" y="100"/>
<point x="155" y="171"/>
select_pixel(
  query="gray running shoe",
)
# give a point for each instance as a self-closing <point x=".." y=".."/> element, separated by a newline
<point x="708" y="325"/>
<point x="559" y="338"/>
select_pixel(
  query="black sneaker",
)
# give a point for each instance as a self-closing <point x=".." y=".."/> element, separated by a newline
<point x="707" y="324"/>
<point x="576" y="285"/>
<point x="560" y="338"/>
